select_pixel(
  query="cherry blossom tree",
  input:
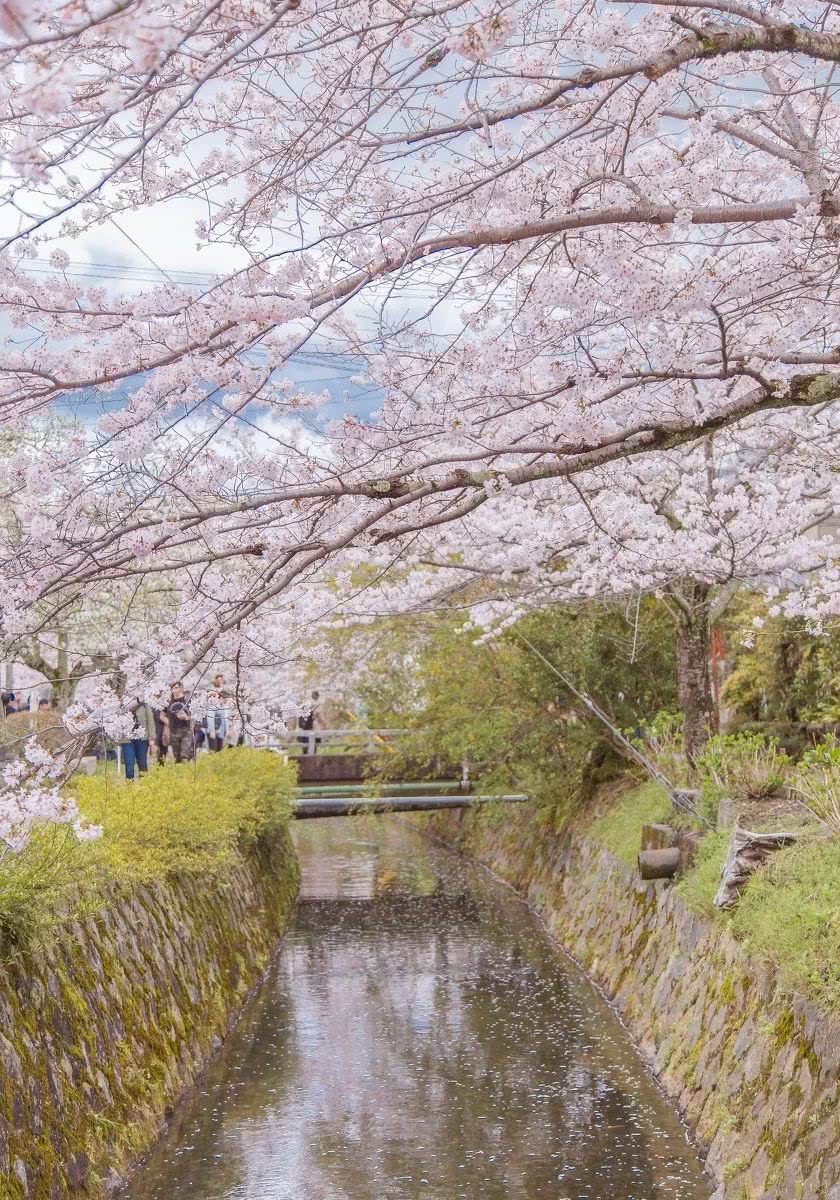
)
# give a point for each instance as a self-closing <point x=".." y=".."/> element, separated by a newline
<point x="567" y="244"/>
<point x="686" y="526"/>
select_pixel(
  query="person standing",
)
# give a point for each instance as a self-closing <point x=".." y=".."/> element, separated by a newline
<point x="161" y="734"/>
<point x="180" y="725"/>
<point x="215" y="721"/>
<point x="135" y="751"/>
<point x="309" y="722"/>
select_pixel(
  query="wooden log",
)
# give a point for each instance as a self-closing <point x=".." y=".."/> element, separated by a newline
<point x="687" y="840"/>
<point x="747" y="852"/>
<point x="659" y="864"/>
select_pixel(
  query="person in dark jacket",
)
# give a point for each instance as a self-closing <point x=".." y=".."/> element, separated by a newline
<point x="161" y="734"/>
<point x="309" y="722"/>
<point x="180" y="725"/>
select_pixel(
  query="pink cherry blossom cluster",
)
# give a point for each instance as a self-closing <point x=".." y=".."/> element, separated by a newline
<point x="583" y="260"/>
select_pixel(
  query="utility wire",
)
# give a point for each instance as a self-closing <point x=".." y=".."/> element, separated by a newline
<point x="599" y="713"/>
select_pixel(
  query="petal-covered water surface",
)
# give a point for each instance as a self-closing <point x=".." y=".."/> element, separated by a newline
<point x="420" y="1036"/>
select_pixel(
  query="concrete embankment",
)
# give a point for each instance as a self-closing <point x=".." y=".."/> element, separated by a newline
<point x="753" y="1068"/>
<point x="107" y="1026"/>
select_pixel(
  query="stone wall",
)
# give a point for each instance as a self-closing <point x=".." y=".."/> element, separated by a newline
<point x="753" y="1068"/>
<point x="102" y="1032"/>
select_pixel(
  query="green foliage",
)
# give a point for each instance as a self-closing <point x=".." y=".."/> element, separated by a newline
<point x="744" y="765"/>
<point x="503" y="710"/>
<point x="816" y="783"/>
<point x="193" y="818"/>
<point x="661" y="741"/>
<point x="619" y="829"/>
<point x="825" y="755"/>
<point x="782" y="672"/>
<point x="789" y="914"/>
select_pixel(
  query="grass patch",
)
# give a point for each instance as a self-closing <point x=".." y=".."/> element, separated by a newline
<point x="698" y="886"/>
<point x="789" y="914"/>
<point x="192" y="818"/>
<point x="619" y="829"/>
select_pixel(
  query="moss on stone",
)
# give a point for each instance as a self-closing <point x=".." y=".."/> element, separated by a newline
<point x="805" y="1053"/>
<point x="783" y="1027"/>
<point x="726" y="992"/>
<point x="735" y="1166"/>
<point x="117" y="1029"/>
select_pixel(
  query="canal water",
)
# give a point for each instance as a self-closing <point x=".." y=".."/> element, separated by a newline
<point x="420" y="1038"/>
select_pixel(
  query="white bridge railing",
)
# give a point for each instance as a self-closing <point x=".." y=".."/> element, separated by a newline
<point x="335" y="741"/>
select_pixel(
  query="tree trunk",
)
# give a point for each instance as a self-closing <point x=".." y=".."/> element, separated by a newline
<point x="62" y="692"/>
<point x="694" y="671"/>
<point x="68" y="675"/>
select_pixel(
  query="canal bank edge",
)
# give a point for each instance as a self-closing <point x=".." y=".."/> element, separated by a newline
<point x="752" y="1067"/>
<point x="105" y="1030"/>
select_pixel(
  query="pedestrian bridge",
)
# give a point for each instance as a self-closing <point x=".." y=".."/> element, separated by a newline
<point x="336" y="769"/>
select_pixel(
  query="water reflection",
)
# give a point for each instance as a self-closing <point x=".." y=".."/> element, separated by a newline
<point x="420" y="1037"/>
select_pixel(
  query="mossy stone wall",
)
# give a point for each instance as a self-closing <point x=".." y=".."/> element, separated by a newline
<point x="753" y="1068"/>
<point x="102" y="1031"/>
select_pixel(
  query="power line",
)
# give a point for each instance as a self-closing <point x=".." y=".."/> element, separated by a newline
<point x="140" y="274"/>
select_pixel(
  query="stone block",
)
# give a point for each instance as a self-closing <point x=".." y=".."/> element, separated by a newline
<point x="96" y="990"/>
<point x="758" y="1171"/>
<point x="751" y="1093"/>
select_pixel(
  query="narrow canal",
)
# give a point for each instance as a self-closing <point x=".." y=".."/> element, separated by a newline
<point x="419" y="1036"/>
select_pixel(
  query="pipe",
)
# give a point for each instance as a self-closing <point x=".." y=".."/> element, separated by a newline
<point x="366" y="789"/>
<point x="337" y="806"/>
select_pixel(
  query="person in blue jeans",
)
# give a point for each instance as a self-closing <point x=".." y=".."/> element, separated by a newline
<point x="135" y="751"/>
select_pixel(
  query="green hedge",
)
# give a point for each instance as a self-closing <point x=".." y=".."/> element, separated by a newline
<point x="188" y="818"/>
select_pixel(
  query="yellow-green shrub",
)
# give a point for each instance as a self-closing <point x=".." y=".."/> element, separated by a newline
<point x="44" y="882"/>
<point x="17" y="728"/>
<point x="193" y="817"/>
<point x="188" y="817"/>
<point x="257" y="778"/>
